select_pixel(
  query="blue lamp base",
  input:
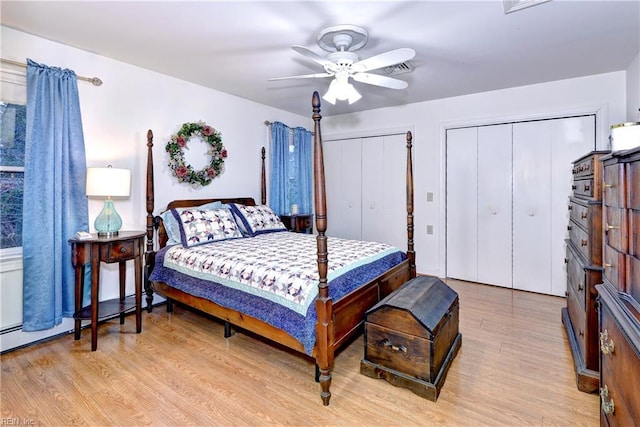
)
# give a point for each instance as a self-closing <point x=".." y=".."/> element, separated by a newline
<point x="108" y="222"/>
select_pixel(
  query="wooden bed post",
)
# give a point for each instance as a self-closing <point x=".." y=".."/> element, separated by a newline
<point x="149" y="256"/>
<point x="411" y="253"/>
<point x="324" y="305"/>
<point x="263" y="181"/>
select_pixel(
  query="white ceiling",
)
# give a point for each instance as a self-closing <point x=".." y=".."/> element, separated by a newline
<point x="462" y="47"/>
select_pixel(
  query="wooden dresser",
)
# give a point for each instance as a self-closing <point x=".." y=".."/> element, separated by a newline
<point x="619" y="294"/>
<point x="584" y="268"/>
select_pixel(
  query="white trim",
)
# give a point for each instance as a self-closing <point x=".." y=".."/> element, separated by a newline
<point x="601" y="113"/>
<point x="396" y="130"/>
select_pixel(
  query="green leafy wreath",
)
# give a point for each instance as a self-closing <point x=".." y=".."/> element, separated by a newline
<point x="178" y="143"/>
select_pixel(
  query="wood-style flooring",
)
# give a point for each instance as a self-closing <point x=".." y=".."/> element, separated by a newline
<point x="514" y="369"/>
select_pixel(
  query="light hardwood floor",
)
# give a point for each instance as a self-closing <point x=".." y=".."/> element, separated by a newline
<point x="514" y="369"/>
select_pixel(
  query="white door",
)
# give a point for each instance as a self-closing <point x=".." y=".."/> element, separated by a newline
<point x="513" y="235"/>
<point x="343" y="176"/>
<point x="572" y="138"/>
<point x="462" y="211"/>
<point x="384" y="198"/>
<point x="532" y="206"/>
<point x="494" y="205"/>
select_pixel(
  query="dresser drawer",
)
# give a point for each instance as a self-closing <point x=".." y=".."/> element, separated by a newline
<point x="614" y="186"/>
<point x="614" y="267"/>
<point x="578" y="321"/>
<point x="576" y="277"/>
<point x="633" y="184"/>
<point x="589" y="245"/>
<point x="584" y="167"/>
<point x="583" y="187"/>
<point x="634" y="232"/>
<point x="616" y="233"/>
<point x="633" y="277"/>
<point x="618" y="361"/>
<point x="118" y="251"/>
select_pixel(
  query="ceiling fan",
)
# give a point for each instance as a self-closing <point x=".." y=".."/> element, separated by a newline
<point x="342" y="63"/>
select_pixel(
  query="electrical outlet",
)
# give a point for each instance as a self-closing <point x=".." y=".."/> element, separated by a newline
<point x="429" y="197"/>
<point x="429" y="229"/>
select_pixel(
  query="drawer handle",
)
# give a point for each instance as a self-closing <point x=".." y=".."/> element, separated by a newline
<point x="607" y="403"/>
<point x="583" y="215"/>
<point x="573" y="187"/>
<point x="388" y="345"/>
<point x="569" y="227"/>
<point x="581" y="333"/>
<point x="584" y="242"/>
<point x="607" y="265"/>
<point x="606" y="344"/>
<point x="609" y="185"/>
<point x="587" y="187"/>
<point x="123" y="250"/>
<point x="608" y="227"/>
<point x="569" y="207"/>
<point x="580" y="287"/>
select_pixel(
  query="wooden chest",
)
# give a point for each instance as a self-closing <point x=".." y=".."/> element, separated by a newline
<point x="411" y="336"/>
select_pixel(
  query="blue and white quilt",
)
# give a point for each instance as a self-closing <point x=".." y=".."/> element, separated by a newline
<point x="274" y="276"/>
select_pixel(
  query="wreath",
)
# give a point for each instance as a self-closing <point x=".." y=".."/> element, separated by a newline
<point x="178" y="143"/>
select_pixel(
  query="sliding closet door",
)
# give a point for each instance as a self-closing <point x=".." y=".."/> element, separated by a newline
<point x="532" y="206"/>
<point x="494" y="205"/>
<point x="543" y="152"/>
<point x="571" y="139"/>
<point x="343" y="177"/>
<point x="384" y="204"/>
<point x="462" y="196"/>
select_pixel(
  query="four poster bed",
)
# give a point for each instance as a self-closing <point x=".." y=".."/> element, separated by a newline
<point x="348" y="277"/>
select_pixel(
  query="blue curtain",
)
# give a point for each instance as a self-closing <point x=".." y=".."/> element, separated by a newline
<point x="279" y="182"/>
<point x="303" y="159"/>
<point x="54" y="206"/>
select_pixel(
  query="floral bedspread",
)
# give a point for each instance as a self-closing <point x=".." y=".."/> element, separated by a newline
<point x="281" y="267"/>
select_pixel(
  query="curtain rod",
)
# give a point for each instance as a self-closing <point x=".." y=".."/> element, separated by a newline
<point x="268" y="124"/>
<point x="93" y="80"/>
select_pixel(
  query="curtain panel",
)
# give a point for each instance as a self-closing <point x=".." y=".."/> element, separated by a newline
<point x="303" y="159"/>
<point x="279" y="189"/>
<point x="55" y="205"/>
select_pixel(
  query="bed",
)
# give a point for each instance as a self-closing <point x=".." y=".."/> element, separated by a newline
<point x="330" y="312"/>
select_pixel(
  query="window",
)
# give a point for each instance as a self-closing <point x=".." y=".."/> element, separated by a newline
<point x="13" y="120"/>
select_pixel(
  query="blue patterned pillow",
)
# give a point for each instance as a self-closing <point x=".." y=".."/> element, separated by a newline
<point x="199" y="226"/>
<point x="171" y="225"/>
<point x="257" y="219"/>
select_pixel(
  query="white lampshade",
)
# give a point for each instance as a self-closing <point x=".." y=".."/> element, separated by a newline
<point x="341" y="89"/>
<point x="108" y="182"/>
<point x="625" y="136"/>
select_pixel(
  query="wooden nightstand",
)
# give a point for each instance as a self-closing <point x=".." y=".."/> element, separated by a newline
<point x="300" y="223"/>
<point x="127" y="245"/>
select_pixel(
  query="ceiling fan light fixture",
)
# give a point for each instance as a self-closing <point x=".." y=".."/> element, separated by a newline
<point x="341" y="89"/>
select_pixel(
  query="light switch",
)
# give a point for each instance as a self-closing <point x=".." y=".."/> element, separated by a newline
<point x="429" y="197"/>
<point x="429" y="229"/>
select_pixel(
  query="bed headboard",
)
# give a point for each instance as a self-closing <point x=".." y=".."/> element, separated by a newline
<point x="163" y="238"/>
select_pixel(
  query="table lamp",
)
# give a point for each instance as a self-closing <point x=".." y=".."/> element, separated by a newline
<point x="108" y="182"/>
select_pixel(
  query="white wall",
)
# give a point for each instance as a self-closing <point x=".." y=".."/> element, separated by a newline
<point x="116" y="117"/>
<point x="603" y="93"/>
<point x="633" y="90"/>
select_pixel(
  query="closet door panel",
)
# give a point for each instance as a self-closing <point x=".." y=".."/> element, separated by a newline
<point x="462" y="195"/>
<point x="373" y="176"/>
<point x="384" y="191"/>
<point x="494" y="205"/>
<point x="532" y="206"/>
<point x="571" y="138"/>
<point x="343" y="177"/>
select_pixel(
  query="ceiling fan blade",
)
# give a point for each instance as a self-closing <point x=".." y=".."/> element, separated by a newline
<point x="304" y="76"/>
<point x="312" y="56"/>
<point x="384" y="60"/>
<point x="378" y="80"/>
